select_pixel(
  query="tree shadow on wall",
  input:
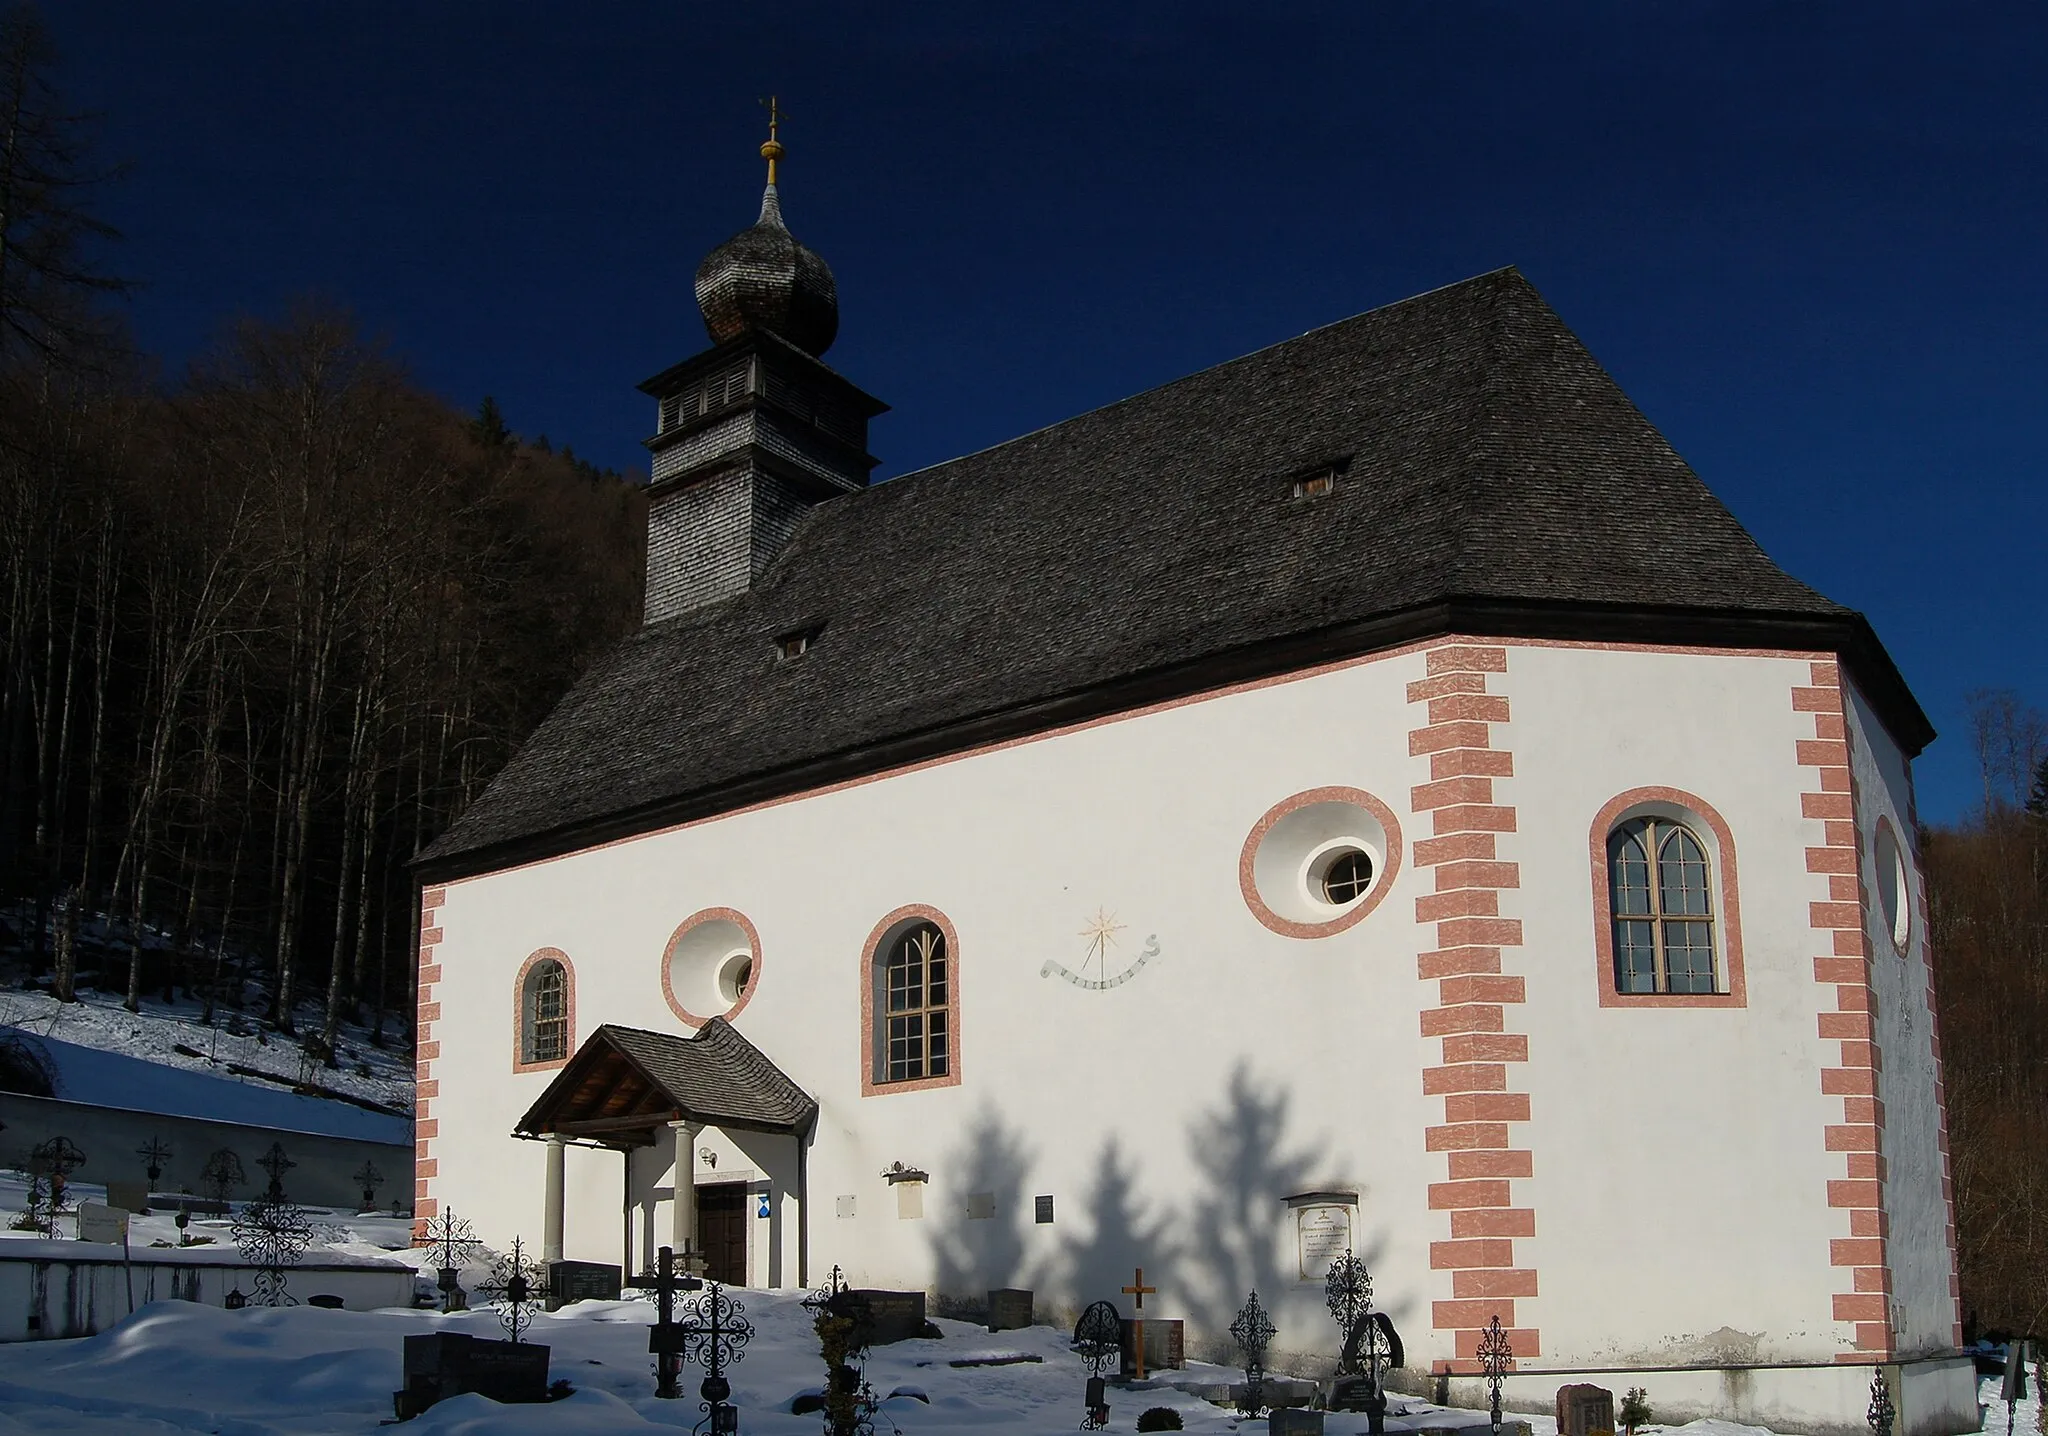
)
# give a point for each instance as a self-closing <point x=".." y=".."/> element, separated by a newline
<point x="1233" y="1239"/>
<point x="1121" y="1238"/>
<point x="972" y="1254"/>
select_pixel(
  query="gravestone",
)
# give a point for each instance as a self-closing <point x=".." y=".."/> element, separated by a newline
<point x="582" y="1281"/>
<point x="1165" y="1346"/>
<point x="1295" y="1421"/>
<point x="1583" y="1409"/>
<point x="98" y="1222"/>
<point x="326" y="1300"/>
<point x="129" y="1196"/>
<point x="894" y="1316"/>
<point x="1009" y="1309"/>
<point x="442" y="1364"/>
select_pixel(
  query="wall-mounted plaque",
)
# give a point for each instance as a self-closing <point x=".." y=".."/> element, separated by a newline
<point x="1322" y="1234"/>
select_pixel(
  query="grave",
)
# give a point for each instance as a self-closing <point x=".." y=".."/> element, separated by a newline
<point x="442" y="1364"/>
<point x="1009" y="1309"/>
<point x="129" y="1196"/>
<point x="894" y="1316"/>
<point x="1584" y="1409"/>
<point x="570" y="1281"/>
<point x="98" y="1222"/>
<point x="1165" y="1346"/>
<point x="1295" y="1421"/>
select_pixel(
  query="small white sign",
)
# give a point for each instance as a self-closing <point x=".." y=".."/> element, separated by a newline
<point x="844" y="1206"/>
<point x="98" y="1222"/>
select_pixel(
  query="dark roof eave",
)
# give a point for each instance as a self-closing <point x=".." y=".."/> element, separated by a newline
<point x="1843" y="631"/>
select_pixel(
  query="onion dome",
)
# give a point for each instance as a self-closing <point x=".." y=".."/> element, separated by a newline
<point x="762" y="279"/>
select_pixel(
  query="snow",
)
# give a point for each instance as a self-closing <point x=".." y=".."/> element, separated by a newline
<point x="109" y="1079"/>
<point x="98" y="1021"/>
<point x="183" y="1368"/>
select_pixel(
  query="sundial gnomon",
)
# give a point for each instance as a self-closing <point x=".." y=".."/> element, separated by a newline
<point x="1099" y="970"/>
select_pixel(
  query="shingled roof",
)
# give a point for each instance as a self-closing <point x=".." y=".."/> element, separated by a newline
<point x="624" y="1082"/>
<point x="1494" y="481"/>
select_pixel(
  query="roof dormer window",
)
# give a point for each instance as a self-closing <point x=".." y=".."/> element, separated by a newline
<point x="794" y="645"/>
<point x="1319" y="484"/>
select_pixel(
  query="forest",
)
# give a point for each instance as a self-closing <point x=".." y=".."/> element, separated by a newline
<point x="268" y="624"/>
<point x="265" y="626"/>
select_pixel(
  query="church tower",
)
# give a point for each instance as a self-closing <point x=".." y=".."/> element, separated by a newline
<point x="755" y="431"/>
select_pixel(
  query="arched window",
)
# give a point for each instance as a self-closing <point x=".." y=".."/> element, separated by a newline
<point x="545" y="1010"/>
<point x="1661" y="897"/>
<point x="910" y="1003"/>
<point x="916" y="1006"/>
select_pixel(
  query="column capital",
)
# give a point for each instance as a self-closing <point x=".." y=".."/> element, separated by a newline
<point x="693" y="1128"/>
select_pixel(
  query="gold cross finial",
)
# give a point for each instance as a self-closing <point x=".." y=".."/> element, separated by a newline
<point x="772" y="151"/>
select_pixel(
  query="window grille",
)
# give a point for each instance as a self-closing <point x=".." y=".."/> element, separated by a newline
<point x="916" y="1006"/>
<point x="547" y="1013"/>
<point x="1663" y="908"/>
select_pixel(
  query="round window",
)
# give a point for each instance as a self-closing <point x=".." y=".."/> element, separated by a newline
<point x="711" y="966"/>
<point x="735" y="976"/>
<point x="1343" y="875"/>
<point x="1319" y="861"/>
<point x="1894" y="896"/>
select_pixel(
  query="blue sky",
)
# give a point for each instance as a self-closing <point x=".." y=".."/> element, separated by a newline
<point x="1805" y="238"/>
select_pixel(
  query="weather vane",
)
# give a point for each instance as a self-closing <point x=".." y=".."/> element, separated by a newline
<point x="772" y="150"/>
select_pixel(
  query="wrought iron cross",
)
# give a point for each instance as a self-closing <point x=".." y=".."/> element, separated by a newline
<point x="1253" y="1330"/>
<point x="1495" y="1356"/>
<point x="154" y="1154"/>
<point x="713" y="1332"/>
<point x="277" y="1164"/>
<point x="1347" y="1290"/>
<point x="368" y="1178"/>
<point x="511" y="1288"/>
<point x="454" y="1244"/>
<point x="661" y="1337"/>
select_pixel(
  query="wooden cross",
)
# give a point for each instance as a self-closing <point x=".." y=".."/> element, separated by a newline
<point x="1137" y="1291"/>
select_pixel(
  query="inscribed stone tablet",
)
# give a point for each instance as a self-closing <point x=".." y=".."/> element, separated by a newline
<point x="1165" y="1345"/>
<point x="981" y="1205"/>
<point x="1009" y="1309"/>
<point x="128" y="1196"/>
<point x="893" y="1315"/>
<point x="98" y="1222"/>
<point x="909" y="1201"/>
<point x="1323" y="1234"/>
<point x="582" y="1281"/>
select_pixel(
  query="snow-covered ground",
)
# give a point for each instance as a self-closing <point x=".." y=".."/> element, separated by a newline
<point x="183" y="1368"/>
<point x="98" y="1020"/>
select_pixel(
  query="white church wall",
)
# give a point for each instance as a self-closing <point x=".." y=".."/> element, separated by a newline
<point x="1668" y="1138"/>
<point x="1681" y="1181"/>
<point x="1920" y="1247"/>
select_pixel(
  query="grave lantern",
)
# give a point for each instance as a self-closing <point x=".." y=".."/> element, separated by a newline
<point x="234" y="1300"/>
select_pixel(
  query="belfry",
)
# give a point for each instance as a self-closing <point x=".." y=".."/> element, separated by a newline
<point x="753" y="432"/>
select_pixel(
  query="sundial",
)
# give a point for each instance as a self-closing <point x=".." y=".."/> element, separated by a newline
<point x="1099" y="968"/>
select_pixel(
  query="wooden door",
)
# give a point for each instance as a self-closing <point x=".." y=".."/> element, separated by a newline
<point x="722" y="1228"/>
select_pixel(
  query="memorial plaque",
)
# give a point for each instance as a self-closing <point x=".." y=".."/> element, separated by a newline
<point x="98" y="1222"/>
<point x="128" y="1196"/>
<point x="582" y="1281"/>
<point x="1009" y="1309"/>
<point x="893" y="1315"/>
<point x="981" y="1206"/>
<point x="1164" y="1345"/>
<point x="1294" y="1421"/>
<point x="1583" y="1409"/>
<point x="909" y="1201"/>
<point x="1323" y="1234"/>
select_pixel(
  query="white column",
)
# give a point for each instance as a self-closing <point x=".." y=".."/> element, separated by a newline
<point x="683" y="1231"/>
<point x="551" y="1220"/>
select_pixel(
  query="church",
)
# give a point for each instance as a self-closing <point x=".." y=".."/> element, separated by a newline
<point x="1368" y="796"/>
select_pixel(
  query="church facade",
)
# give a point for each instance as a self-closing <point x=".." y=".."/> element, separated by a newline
<point x="1366" y="797"/>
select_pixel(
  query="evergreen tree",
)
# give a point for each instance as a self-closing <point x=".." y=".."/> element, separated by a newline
<point x="488" y="426"/>
<point x="2037" y="798"/>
